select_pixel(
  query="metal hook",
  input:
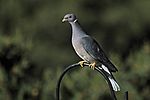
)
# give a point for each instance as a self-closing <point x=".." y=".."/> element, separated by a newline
<point x="100" y="71"/>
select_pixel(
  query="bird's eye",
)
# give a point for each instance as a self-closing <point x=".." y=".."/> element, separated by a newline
<point x="70" y="16"/>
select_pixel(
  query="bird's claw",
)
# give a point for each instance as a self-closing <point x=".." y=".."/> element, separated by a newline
<point x="82" y="63"/>
<point x="92" y="65"/>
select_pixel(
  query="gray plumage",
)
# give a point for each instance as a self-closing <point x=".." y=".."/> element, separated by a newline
<point x="88" y="49"/>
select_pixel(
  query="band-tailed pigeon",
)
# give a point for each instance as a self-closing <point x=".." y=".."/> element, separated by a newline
<point x="89" y="50"/>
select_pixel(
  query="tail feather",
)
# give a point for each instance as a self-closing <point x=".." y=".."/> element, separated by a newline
<point x="113" y="82"/>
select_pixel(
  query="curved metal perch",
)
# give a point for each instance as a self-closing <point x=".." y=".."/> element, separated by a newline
<point x="61" y="77"/>
<point x="77" y="65"/>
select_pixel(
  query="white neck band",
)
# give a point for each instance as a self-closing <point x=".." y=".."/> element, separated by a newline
<point x="75" y="20"/>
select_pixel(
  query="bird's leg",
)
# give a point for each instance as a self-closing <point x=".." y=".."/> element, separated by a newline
<point x="82" y="63"/>
<point x="92" y="65"/>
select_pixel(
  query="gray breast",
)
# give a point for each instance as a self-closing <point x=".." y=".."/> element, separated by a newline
<point x="80" y="50"/>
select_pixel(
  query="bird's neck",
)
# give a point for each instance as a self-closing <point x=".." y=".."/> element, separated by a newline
<point x="76" y="29"/>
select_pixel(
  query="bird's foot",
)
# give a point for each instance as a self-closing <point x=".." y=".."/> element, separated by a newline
<point x="82" y="63"/>
<point x="92" y="65"/>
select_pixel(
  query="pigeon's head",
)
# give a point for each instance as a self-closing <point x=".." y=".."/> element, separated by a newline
<point x="69" y="18"/>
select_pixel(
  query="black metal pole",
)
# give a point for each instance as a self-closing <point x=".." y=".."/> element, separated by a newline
<point x="126" y="95"/>
<point x="109" y="83"/>
<point x="102" y="72"/>
<point x="61" y="77"/>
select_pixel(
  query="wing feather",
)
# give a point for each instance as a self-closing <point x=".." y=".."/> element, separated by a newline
<point x="95" y="51"/>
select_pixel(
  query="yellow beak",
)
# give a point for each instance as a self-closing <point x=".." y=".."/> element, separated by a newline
<point x="64" y="20"/>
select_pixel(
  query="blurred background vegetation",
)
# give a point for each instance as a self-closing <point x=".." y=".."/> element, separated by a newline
<point x="35" y="48"/>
